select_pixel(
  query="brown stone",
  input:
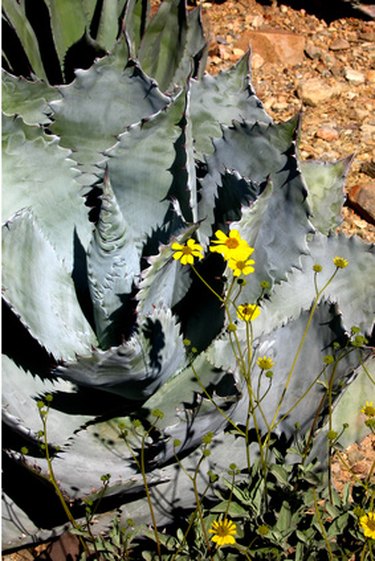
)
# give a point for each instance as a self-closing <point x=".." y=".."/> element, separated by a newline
<point x="362" y="199"/>
<point x="274" y="46"/>
<point x="370" y="76"/>
<point x="340" y="44"/>
<point x="327" y="133"/>
<point x="354" y="76"/>
<point x="315" y="91"/>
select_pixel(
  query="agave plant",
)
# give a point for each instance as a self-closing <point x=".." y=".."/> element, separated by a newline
<point x="101" y="176"/>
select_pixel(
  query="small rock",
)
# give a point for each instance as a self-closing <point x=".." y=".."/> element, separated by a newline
<point x="256" y="61"/>
<point x="315" y="91"/>
<point x="257" y="21"/>
<point x="313" y="52"/>
<point x="370" y="76"/>
<point x="367" y="36"/>
<point x="238" y="52"/>
<point x="274" y="46"/>
<point x="362" y="199"/>
<point x="368" y="168"/>
<point x="327" y="133"/>
<point x="367" y="132"/>
<point x="223" y="53"/>
<point x="339" y="45"/>
<point x="354" y="76"/>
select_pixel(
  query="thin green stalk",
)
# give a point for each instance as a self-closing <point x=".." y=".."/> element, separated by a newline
<point x="148" y="495"/>
<point x="192" y="519"/>
<point x="141" y="466"/>
<point x="321" y="526"/>
<point x="207" y="285"/>
<point x="43" y="415"/>
<point x="193" y="479"/>
<point x="217" y="407"/>
<point x="299" y="350"/>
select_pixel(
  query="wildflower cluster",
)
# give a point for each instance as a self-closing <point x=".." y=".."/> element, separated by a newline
<point x="235" y="251"/>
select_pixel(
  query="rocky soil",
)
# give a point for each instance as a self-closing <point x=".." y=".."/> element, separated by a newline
<point x="301" y="63"/>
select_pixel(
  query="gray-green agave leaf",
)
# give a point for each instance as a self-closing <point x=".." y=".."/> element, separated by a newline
<point x="353" y="288"/>
<point x="218" y="100"/>
<point x="113" y="263"/>
<point x="138" y="367"/>
<point x="325" y="182"/>
<point x="30" y="183"/>
<point x="28" y="99"/>
<point x="34" y="278"/>
<point x="102" y="102"/>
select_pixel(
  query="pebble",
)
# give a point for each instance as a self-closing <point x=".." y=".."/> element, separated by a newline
<point x="256" y="61"/>
<point x="370" y="76"/>
<point x="339" y="45"/>
<point x="327" y="133"/>
<point x="315" y="91"/>
<point x="313" y="52"/>
<point x="354" y="76"/>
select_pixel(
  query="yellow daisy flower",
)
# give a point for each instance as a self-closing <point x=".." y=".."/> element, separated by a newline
<point x="232" y="246"/>
<point x="265" y="363"/>
<point x="368" y="409"/>
<point x="340" y="262"/>
<point x="224" y="532"/>
<point x="186" y="253"/>
<point x="367" y="521"/>
<point x="248" y="312"/>
<point x="241" y="266"/>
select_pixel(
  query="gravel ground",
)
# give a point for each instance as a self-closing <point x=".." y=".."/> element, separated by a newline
<point x="340" y="55"/>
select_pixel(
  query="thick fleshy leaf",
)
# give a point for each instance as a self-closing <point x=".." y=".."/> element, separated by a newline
<point x="103" y="441"/>
<point x="183" y="189"/>
<point x="218" y="100"/>
<point x="113" y="263"/>
<point x="69" y="21"/>
<point x="15" y="14"/>
<point x="350" y="404"/>
<point x="102" y="102"/>
<point x="302" y="386"/>
<point x="108" y="29"/>
<point x="27" y="99"/>
<point x="134" y="22"/>
<point x="165" y="281"/>
<point x="184" y="407"/>
<point x="194" y="57"/>
<point x="325" y="182"/>
<point x="29" y="183"/>
<point x="35" y="279"/>
<point x="140" y="178"/>
<point x="21" y="391"/>
<point x="353" y="288"/>
<point x="276" y="225"/>
<point x="139" y="366"/>
<point x="165" y="36"/>
<point x="18" y="529"/>
<point x="257" y="151"/>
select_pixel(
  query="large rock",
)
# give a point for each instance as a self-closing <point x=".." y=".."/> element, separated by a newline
<point x="274" y="46"/>
<point x="362" y="200"/>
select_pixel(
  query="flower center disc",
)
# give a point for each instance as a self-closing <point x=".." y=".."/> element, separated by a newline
<point x="231" y="243"/>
